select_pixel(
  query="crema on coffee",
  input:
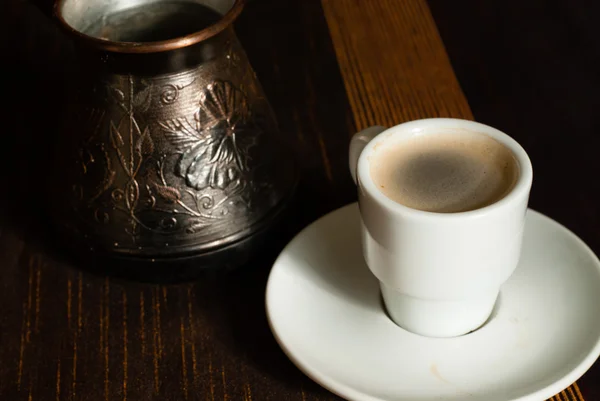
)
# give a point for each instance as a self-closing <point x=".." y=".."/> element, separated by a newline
<point x="444" y="172"/>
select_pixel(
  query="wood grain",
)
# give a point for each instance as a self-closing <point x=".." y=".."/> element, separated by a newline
<point x="393" y="62"/>
<point x="395" y="68"/>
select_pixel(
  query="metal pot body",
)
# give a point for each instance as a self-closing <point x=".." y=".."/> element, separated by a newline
<point x="168" y="153"/>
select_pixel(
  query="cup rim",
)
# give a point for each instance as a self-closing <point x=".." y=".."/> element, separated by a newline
<point x="519" y="191"/>
<point x="150" y="47"/>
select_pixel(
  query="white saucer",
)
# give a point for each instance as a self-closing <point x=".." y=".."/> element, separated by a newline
<point x="325" y="311"/>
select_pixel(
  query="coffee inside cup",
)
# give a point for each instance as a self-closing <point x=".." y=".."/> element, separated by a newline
<point x="445" y="172"/>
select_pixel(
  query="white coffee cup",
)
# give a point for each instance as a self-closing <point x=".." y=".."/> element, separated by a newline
<point x="440" y="273"/>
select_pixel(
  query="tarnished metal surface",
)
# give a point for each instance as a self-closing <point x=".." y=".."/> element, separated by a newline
<point x="171" y="153"/>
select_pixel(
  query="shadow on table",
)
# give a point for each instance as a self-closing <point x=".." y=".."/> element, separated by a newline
<point x="234" y="305"/>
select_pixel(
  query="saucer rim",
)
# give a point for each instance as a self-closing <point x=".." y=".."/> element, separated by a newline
<point x="345" y="391"/>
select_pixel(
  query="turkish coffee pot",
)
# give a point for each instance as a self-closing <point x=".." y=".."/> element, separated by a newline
<point x="168" y="149"/>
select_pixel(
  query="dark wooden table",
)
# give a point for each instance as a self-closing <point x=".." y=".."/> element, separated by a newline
<point x="329" y="67"/>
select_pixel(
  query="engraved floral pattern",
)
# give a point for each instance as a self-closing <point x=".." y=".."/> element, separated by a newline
<point x="214" y="146"/>
<point x="167" y="159"/>
<point x="133" y="146"/>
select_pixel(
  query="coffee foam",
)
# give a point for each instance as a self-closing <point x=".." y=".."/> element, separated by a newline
<point x="445" y="172"/>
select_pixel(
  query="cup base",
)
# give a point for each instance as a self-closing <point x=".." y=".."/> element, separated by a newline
<point x="434" y="318"/>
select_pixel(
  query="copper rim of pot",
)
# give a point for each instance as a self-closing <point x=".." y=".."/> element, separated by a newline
<point x="152" y="47"/>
